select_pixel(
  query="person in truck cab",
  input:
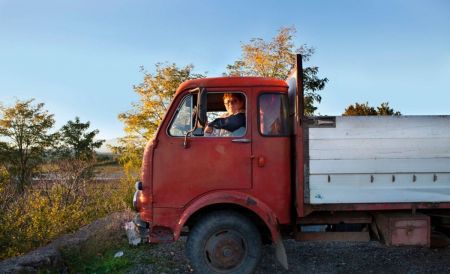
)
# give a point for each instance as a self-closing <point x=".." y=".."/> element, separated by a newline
<point x="233" y="122"/>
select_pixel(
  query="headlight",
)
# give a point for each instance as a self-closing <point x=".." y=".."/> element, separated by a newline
<point x="135" y="197"/>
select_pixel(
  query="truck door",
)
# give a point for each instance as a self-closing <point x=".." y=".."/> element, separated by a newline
<point x="271" y="148"/>
<point x="208" y="163"/>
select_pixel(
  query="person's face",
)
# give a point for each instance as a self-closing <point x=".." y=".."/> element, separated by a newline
<point x="233" y="105"/>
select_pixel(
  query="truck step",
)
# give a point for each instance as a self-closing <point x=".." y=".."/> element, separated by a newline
<point x="333" y="236"/>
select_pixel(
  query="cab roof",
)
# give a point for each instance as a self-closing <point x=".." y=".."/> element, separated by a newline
<point x="227" y="82"/>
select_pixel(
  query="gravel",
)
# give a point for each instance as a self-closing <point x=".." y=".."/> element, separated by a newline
<point x="320" y="257"/>
<point x="356" y="257"/>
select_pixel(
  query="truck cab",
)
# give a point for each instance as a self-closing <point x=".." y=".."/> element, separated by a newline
<point x="187" y="174"/>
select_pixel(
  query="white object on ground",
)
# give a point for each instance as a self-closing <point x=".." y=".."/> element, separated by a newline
<point x="132" y="233"/>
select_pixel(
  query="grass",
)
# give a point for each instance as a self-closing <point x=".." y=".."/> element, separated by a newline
<point x="97" y="256"/>
<point x="79" y="262"/>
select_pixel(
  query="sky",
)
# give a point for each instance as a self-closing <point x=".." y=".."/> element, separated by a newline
<point x="82" y="58"/>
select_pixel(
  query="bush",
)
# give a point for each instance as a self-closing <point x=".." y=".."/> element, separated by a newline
<point x="47" y="210"/>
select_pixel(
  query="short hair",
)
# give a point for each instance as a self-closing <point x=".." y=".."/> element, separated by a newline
<point x="238" y="96"/>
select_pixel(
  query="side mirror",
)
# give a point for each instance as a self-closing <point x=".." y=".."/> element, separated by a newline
<point x="201" y="107"/>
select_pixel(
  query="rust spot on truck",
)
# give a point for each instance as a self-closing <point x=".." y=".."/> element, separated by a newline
<point x="250" y="202"/>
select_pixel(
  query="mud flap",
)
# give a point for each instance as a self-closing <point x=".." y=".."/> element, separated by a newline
<point x="280" y="253"/>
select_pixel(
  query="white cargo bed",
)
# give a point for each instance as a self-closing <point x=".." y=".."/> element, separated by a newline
<point x="376" y="159"/>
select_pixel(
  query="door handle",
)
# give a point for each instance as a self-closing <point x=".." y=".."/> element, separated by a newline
<point x="261" y="161"/>
<point x="242" y="140"/>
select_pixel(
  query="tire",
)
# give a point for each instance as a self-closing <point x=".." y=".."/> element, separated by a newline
<point x="224" y="242"/>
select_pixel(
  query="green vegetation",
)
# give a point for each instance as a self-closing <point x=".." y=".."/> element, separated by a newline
<point x="77" y="142"/>
<point x="79" y="262"/>
<point x="48" y="183"/>
<point x="98" y="256"/>
<point x="24" y="129"/>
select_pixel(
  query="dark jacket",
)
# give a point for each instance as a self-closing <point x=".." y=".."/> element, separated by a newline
<point x="230" y="123"/>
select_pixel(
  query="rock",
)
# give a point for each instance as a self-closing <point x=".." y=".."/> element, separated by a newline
<point x="118" y="254"/>
<point x="41" y="258"/>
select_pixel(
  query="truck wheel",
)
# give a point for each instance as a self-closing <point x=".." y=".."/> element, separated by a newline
<point x="224" y="242"/>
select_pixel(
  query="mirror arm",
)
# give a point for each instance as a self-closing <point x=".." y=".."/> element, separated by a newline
<point x="185" y="143"/>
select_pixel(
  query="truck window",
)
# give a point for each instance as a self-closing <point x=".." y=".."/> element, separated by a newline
<point x="273" y="114"/>
<point x="226" y="114"/>
<point x="182" y="122"/>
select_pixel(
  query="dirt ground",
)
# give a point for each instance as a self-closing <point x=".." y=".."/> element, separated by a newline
<point x="354" y="257"/>
<point x="323" y="257"/>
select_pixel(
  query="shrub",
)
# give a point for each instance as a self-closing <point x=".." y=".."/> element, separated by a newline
<point x="47" y="210"/>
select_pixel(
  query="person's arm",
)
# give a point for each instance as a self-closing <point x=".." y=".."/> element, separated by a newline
<point x="230" y="123"/>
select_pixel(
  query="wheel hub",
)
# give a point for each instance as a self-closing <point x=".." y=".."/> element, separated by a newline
<point x="225" y="250"/>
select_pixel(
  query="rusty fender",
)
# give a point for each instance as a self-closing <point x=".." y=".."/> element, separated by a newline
<point x="234" y="198"/>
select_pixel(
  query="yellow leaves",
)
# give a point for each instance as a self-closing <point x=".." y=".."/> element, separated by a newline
<point x="141" y="122"/>
<point x="273" y="58"/>
<point x="38" y="216"/>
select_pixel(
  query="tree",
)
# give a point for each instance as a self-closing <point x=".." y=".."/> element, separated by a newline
<point x="77" y="141"/>
<point x="155" y="93"/>
<point x="24" y="138"/>
<point x="365" y="110"/>
<point x="277" y="59"/>
<point x="384" y="109"/>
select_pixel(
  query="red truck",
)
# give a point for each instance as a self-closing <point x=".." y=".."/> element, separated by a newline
<point x="287" y="175"/>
